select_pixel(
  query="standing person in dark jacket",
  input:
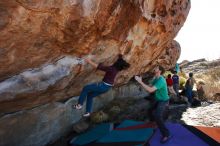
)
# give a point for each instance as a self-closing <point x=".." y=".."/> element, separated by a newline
<point x="189" y="87"/>
<point x="95" y="89"/>
<point x="161" y="100"/>
<point x="175" y="79"/>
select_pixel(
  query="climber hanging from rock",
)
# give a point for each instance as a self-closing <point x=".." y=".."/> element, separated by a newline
<point x="94" y="89"/>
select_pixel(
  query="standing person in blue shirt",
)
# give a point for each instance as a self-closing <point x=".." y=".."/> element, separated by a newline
<point x="175" y="79"/>
<point x="161" y="100"/>
<point x="92" y="90"/>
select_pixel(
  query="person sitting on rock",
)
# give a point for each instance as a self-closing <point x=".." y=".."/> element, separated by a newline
<point x="95" y="89"/>
<point x="200" y="90"/>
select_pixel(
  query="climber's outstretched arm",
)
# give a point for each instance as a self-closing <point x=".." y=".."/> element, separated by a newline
<point x="146" y="87"/>
<point x="95" y="65"/>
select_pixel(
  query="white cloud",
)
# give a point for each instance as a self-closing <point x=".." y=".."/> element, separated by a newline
<point x="200" y="35"/>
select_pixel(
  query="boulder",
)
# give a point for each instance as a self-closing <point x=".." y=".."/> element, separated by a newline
<point x="41" y="41"/>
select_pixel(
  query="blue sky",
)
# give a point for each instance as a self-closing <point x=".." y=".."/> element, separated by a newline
<point x="200" y="35"/>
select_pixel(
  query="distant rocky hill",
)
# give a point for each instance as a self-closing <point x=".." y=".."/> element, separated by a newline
<point x="207" y="72"/>
<point x="200" y="65"/>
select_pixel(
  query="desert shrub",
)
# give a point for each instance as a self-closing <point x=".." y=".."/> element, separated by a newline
<point x="99" y="117"/>
<point x="215" y="74"/>
<point x="211" y="79"/>
<point x="210" y="90"/>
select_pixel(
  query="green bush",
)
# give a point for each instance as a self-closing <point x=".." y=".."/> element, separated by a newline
<point x="99" y="117"/>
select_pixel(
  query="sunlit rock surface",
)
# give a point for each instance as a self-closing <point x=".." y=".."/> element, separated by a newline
<point x="41" y="40"/>
<point x="203" y="116"/>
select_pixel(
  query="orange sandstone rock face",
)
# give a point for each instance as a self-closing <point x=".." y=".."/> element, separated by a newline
<point x="41" y="40"/>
